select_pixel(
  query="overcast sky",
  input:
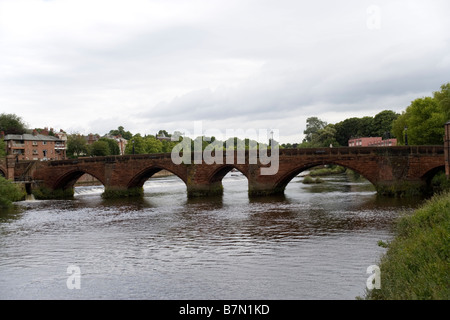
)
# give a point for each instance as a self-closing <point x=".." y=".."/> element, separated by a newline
<point x="93" y="65"/>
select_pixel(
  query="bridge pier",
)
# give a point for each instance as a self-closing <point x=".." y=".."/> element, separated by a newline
<point x="10" y="167"/>
<point x="122" y="192"/>
<point x="204" y="190"/>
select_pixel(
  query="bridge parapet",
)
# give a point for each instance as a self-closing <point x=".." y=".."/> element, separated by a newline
<point x="364" y="150"/>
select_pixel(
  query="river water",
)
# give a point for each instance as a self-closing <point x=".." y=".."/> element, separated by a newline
<point x="316" y="242"/>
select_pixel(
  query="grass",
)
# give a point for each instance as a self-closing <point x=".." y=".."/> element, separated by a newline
<point x="416" y="264"/>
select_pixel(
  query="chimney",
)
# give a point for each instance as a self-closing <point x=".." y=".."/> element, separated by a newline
<point x="35" y="133"/>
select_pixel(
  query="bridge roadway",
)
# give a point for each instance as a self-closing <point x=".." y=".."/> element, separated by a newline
<point x="392" y="170"/>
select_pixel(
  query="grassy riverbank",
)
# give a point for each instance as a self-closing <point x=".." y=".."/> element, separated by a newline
<point x="416" y="265"/>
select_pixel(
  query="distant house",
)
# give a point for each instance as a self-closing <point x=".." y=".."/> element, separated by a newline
<point x="371" y="142"/>
<point x="36" y="146"/>
<point x="91" y="138"/>
<point x="163" y="137"/>
<point x="121" y="142"/>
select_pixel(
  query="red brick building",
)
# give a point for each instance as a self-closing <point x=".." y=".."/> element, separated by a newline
<point x="36" y="146"/>
<point x="371" y="142"/>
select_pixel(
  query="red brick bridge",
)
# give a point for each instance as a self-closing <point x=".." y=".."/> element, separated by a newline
<point x="392" y="170"/>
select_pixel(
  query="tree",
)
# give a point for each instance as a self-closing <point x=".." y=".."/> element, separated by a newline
<point x="313" y="125"/>
<point x="99" y="149"/>
<point x="163" y="133"/>
<point x="12" y="124"/>
<point x="2" y="148"/>
<point x="121" y="131"/>
<point x="382" y="123"/>
<point x="443" y="99"/>
<point x="347" y="129"/>
<point x="327" y="136"/>
<point x="113" y="147"/>
<point x="9" y="192"/>
<point x="152" y="145"/>
<point x="136" y="145"/>
<point x="76" y="146"/>
<point x="424" y="119"/>
<point x="366" y="127"/>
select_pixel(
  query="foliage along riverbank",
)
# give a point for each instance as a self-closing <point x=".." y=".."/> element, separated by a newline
<point x="416" y="265"/>
<point x="9" y="193"/>
<point x="328" y="171"/>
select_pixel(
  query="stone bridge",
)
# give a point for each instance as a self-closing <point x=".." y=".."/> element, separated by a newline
<point x="392" y="170"/>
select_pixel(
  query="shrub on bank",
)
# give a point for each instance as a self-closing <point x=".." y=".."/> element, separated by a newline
<point x="9" y="192"/>
<point x="327" y="171"/>
<point x="416" y="265"/>
<point x="309" y="180"/>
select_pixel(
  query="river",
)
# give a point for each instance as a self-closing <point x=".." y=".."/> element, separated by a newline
<point x="316" y="242"/>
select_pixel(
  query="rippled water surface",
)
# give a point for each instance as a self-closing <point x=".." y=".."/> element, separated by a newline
<point x="316" y="242"/>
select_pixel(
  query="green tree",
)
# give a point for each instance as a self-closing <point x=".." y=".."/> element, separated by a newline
<point x="347" y="129"/>
<point x="135" y="145"/>
<point x="99" y="148"/>
<point x="2" y="148"/>
<point x="313" y="125"/>
<point x="424" y="120"/>
<point x="382" y="123"/>
<point x="9" y="192"/>
<point x="121" y="131"/>
<point x="12" y="124"/>
<point x="113" y="147"/>
<point x="167" y="145"/>
<point x="327" y="136"/>
<point x="443" y="99"/>
<point x="76" y="146"/>
<point x="366" y="127"/>
<point x="152" y="145"/>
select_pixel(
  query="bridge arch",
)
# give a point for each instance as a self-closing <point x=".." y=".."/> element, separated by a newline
<point x="138" y="180"/>
<point x="68" y="179"/>
<point x="2" y="172"/>
<point x="219" y="173"/>
<point x="284" y="180"/>
<point x="429" y="175"/>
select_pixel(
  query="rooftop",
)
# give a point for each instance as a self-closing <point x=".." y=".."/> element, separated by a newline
<point x="30" y="137"/>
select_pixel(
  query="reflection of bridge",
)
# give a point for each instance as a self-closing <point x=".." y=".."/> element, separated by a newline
<point x="391" y="169"/>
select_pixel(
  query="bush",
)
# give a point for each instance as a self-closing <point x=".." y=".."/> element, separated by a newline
<point x="327" y="171"/>
<point x="309" y="180"/>
<point x="9" y="192"/>
<point x="440" y="182"/>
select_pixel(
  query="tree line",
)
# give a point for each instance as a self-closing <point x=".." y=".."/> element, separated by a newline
<point x="422" y="122"/>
